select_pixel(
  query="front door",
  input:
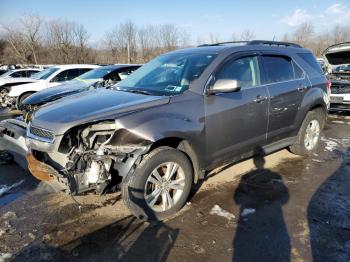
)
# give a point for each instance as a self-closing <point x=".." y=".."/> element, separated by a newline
<point x="236" y="122"/>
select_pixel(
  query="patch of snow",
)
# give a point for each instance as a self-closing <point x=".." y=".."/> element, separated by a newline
<point x="248" y="211"/>
<point x="5" y="188"/>
<point x="5" y="256"/>
<point x="331" y="144"/>
<point x="340" y="122"/>
<point x="9" y="215"/>
<point x="217" y="210"/>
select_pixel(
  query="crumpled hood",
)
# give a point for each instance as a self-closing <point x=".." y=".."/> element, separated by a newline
<point x="338" y="54"/>
<point x="90" y="106"/>
<point x="57" y="92"/>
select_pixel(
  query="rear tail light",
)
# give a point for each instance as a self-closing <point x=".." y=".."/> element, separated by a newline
<point x="328" y="85"/>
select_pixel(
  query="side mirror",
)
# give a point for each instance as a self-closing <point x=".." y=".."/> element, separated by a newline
<point x="225" y="86"/>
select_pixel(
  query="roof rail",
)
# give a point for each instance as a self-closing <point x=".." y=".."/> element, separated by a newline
<point x="273" y="43"/>
<point x="256" y="42"/>
<point x="225" y="43"/>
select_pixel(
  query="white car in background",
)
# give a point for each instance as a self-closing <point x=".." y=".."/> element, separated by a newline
<point x="50" y="77"/>
<point x="18" y="76"/>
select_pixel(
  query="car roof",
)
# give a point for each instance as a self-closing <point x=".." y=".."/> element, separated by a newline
<point x="118" y="66"/>
<point x="72" y="66"/>
<point x="24" y="69"/>
<point x="257" y="45"/>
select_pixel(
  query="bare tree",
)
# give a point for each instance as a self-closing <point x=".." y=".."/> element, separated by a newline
<point x="67" y="42"/>
<point x="247" y="35"/>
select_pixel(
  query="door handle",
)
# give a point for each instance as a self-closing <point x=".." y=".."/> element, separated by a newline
<point x="260" y="99"/>
<point x="301" y="88"/>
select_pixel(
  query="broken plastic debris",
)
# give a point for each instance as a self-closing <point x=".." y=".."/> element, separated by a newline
<point x="5" y="188"/>
<point x="247" y="211"/>
<point x="217" y="210"/>
<point x="5" y="256"/>
<point x="9" y="215"/>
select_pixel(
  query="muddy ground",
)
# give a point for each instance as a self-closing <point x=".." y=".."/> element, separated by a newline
<point x="293" y="209"/>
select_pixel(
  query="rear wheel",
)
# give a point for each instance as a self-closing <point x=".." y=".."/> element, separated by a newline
<point x="159" y="186"/>
<point x="309" y="134"/>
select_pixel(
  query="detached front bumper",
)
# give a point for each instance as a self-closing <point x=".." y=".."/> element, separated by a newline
<point x="12" y="139"/>
<point x="46" y="173"/>
<point x="13" y="134"/>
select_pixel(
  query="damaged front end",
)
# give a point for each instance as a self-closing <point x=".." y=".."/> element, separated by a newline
<point x="5" y="100"/>
<point x="89" y="157"/>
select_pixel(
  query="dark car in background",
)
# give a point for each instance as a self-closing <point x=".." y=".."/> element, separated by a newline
<point x="102" y="77"/>
<point x="177" y="117"/>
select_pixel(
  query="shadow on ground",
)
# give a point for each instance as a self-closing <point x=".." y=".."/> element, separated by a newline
<point x="262" y="236"/>
<point x="329" y="216"/>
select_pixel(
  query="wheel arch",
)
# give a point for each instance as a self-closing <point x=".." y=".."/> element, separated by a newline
<point x="184" y="146"/>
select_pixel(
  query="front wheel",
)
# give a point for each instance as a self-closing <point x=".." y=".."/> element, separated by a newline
<point x="159" y="186"/>
<point x="309" y="134"/>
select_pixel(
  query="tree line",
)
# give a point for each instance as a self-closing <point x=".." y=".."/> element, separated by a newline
<point x="34" y="40"/>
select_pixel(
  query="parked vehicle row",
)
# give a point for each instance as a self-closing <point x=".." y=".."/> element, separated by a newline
<point x="13" y="95"/>
<point x="174" y="119"/>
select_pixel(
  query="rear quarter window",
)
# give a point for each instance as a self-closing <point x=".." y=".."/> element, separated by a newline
<point x="310" y="60"/>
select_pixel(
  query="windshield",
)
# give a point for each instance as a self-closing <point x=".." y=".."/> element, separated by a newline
<point x="44" y="74"/>
<point x="95" y="74"/>
<point x="168" y="74"/>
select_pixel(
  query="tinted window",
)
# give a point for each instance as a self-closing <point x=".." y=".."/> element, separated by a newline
<point x="66" y="75"/>
<point x="31" y="72"/>
<point x="84" y="70"/>
<point x="73" y="73"/>
<point x="16" y="74"/>
<point x="310" y="59"/>
<point x="45" y="74"/>
<point x="245" y="70"/>
<point x="119" y="74"/>
<point x="278" y="69"/>
<point x="298" y="72"/>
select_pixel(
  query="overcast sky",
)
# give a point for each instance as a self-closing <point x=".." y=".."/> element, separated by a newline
<point x="199" y="18"/>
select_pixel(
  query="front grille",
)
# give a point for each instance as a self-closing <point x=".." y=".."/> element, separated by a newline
<point x="340" y="89"/>
<point x="42" y="133"/>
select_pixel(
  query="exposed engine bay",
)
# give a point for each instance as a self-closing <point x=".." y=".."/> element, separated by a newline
<point x="97" y="157"/>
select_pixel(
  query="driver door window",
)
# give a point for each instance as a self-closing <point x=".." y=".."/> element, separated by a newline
<point x="66" y="75"/>
<point x="245" y="70"/>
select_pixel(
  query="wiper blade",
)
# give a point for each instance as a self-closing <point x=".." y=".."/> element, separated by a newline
<point x="135" y="91"/>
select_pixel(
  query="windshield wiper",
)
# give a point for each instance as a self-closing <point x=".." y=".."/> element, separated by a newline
<point x="135" y="91"/>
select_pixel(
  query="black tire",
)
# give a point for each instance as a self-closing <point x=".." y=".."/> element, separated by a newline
<point x="133" y="186"/>
<point x="22" y="98"/>
<point x="299" y="147"/>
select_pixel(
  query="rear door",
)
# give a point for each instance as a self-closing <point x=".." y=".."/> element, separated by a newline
<point x="236" y="122"/>
<point x="286" y="83"/>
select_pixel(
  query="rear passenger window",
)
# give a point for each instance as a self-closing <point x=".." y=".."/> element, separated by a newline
<point x="278" y="69"/>
<point x="245" y="70"/>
